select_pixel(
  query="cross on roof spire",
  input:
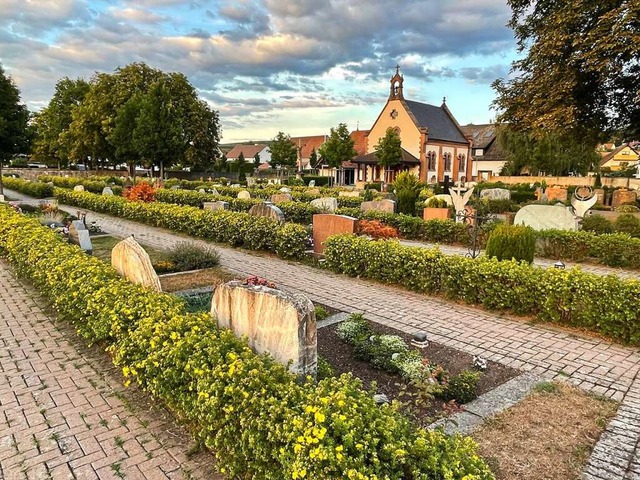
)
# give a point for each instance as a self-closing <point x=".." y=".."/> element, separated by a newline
<point x="397" y="68"/>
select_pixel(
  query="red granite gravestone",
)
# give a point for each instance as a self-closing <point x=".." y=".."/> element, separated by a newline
<point x="325" y="225"/>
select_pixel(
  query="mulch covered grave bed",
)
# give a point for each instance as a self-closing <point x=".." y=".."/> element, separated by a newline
<point x="341" y="357"/>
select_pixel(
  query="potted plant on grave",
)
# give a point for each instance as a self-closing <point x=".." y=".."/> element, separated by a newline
<point x="436" y="209"/>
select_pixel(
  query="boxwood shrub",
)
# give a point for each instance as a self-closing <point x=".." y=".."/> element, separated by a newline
<point x="90" y="184"/>
<point x="604" y="304"/>
<point x="33" y="189"/>
<point x="260" y="422"/>
<point x="233" y="228"/>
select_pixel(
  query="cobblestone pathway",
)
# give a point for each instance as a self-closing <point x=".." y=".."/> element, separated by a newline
<point x="591" y="363"/>
<point x="63" y="412"/>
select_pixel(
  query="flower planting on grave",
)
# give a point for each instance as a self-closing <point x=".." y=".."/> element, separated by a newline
<point x="142" y="192"/>
<point x="255" y="416"/>
<point x="603" y="304"/>
<point x="236" y="229"/>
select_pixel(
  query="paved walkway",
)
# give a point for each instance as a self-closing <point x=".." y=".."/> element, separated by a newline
<point x="591" y="363"/>
<point x="64" y="413"/>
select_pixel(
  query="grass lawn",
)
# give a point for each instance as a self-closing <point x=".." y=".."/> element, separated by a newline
<point x="103" y="245"/>
<point x="549" y="435"/>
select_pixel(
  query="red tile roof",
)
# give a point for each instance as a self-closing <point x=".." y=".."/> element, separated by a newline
<point x="308" y="144"/>
<point x="360" y="141"/>
<point x="248" y="150"/>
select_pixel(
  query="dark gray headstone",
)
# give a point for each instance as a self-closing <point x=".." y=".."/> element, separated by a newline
<point x="79" y="235"/>
<point x="267" y="210"/>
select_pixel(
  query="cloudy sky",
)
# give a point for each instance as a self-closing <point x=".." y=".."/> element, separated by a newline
<point x="300" y="66"/>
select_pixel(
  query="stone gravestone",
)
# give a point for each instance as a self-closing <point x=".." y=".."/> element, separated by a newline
<point x="623" y="196"/>
<point x="2" y="200"/>
<point x="279" y="323"/>
<point x="132" y="262"/>
<point x="281" y="197"/>
<point x="79" y="235"/>
<point x="325" y="204"/>
<point x="202" y="190"/>
<point x="349" y="193"/>
<point x="325" y="225"/>
<point x="235" y="185"/>
<point x="545" y="217"/>
<point x="312" y="183"/>
<point x="216" y="206"/>
<point x="267" y="210"/>
<point x="582" y="200"/>
<point x="599" y="193"/>
<point x="446" y="197"/>
<point x="175" y="187"/>
<point x="107" y="191"/>
<point x="460" y="201"/>
<point x="387" y="206"/>
<point x="558" y="194"/>
<point x="285" y="190"/>
<point x="213" y="191"/>
<point x="78" y="188"/>
<point x="244" y="195"/>
<point x="540" y="195"/>
<point x="496" y="194"/>
<point x="251" y="181"/>
<point x="313" y="191"/>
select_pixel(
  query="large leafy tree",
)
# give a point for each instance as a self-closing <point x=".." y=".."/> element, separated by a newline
<point x="389" y="150"/>
<point x="283" y="151"/>
<point x="13" y="121"/>
<point x="580" y="71"/>
<point x="51" y="145"/>
<point x="338" y="148"/>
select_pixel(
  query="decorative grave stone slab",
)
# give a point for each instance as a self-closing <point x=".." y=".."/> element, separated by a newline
<point x="325" y="225"/>
<point x="349" y="193"/>
<point x="216" y="206"/>
<point x="107" y="191"/>
<point x="325" y="204"/>
<point x="267" y="210"/>
<point x="582" y="200"/>
<point x="78" y="188"/>
<point x="276" y="322"/>
<point x="281" y="197"/>
<point x="623" y="196"/>
<point x="79" y="235"/>
<point x="556" y="194"/>
<point x="244" y="195"/>
<point x="496" y="194"/>
<point x="459" y="202"/>
<point x="387" y="206"/>
<point x="132" y="262"/>
<point x="545" y="217"/>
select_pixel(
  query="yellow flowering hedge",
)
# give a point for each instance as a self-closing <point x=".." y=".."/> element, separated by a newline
<point x="257" y="418"/>
<point x="34" y="189"/>
<point x="234" y="228"/>
<point x="605" y="304"/>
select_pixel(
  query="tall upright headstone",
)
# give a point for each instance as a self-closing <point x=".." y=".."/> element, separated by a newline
<point x="133" y="262"/>
<point x="79" y="235"/>
<point x="325" y="225"/>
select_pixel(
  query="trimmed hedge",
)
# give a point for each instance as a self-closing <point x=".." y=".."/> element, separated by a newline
<point x="260" y="422"/>
<point x="90" y="185"/>
<point x="234" y="228"/>
<point x="508" y="242"/>
<point x="604" y="304"/>
<point x="33" y="189"/>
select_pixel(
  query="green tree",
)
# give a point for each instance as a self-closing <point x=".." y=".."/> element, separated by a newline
<point x="202" y="130"/>
<point x="13" y="121"/>
<point x="313" y="158"/>
<point x="579" y="75"/>
<point x="241" y="162"/>
<point x="389" y="150"/>
<point x="338" y="148"/>
<point x="256" y="160"/>
<point x="123" y="135"/>
<point x="283" y="151"/>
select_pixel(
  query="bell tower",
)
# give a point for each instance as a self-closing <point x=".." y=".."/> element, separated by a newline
<point x="397" y="80"/>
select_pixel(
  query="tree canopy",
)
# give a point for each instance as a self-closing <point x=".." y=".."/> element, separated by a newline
<point x="580" y="73"/>
<point x="137" y="114"/>
<point x="389" y="150"/>
<point x="339" y="147"/>
<point x="283" y="151"/>
<point x="14" y="117"/>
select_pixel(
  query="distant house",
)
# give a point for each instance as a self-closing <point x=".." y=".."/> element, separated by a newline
<point x="249" y="152"/>
<point x="434" y="146"/>
<point x="349" y="168"/>
<point x="488" y="157"/>
<point x="624" y="155"/>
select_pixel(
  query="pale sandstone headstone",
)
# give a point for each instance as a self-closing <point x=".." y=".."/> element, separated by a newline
<point x="558" y="194"/>
<point x="235" y="185"/>
<point x="216" y="206"/>
<point x="2" y="200"/>
<point x="325" y="225"/>
<point x="349" y="193"/>
<point x="202" y="190"/>
<point x="546" y="217"/>
<point x="79" y="235"/>
<point x="387" y="206"/>
<point x="244" y="195"/>
<point x="496" y="194"/>
<point x="267" y="210"/>
<point x="285" y="190"/>
<point x="599" y="192"/>
<point x="325" y="204"/>
<point x="251" y="181"/>
<point x="281" y="197"/>
<point x="78" y="188"/>
<point x="279" y="323"/>
<point x="132" y="262"/>
<point x="312" y="183"/>
<point x="107" y="191"/>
